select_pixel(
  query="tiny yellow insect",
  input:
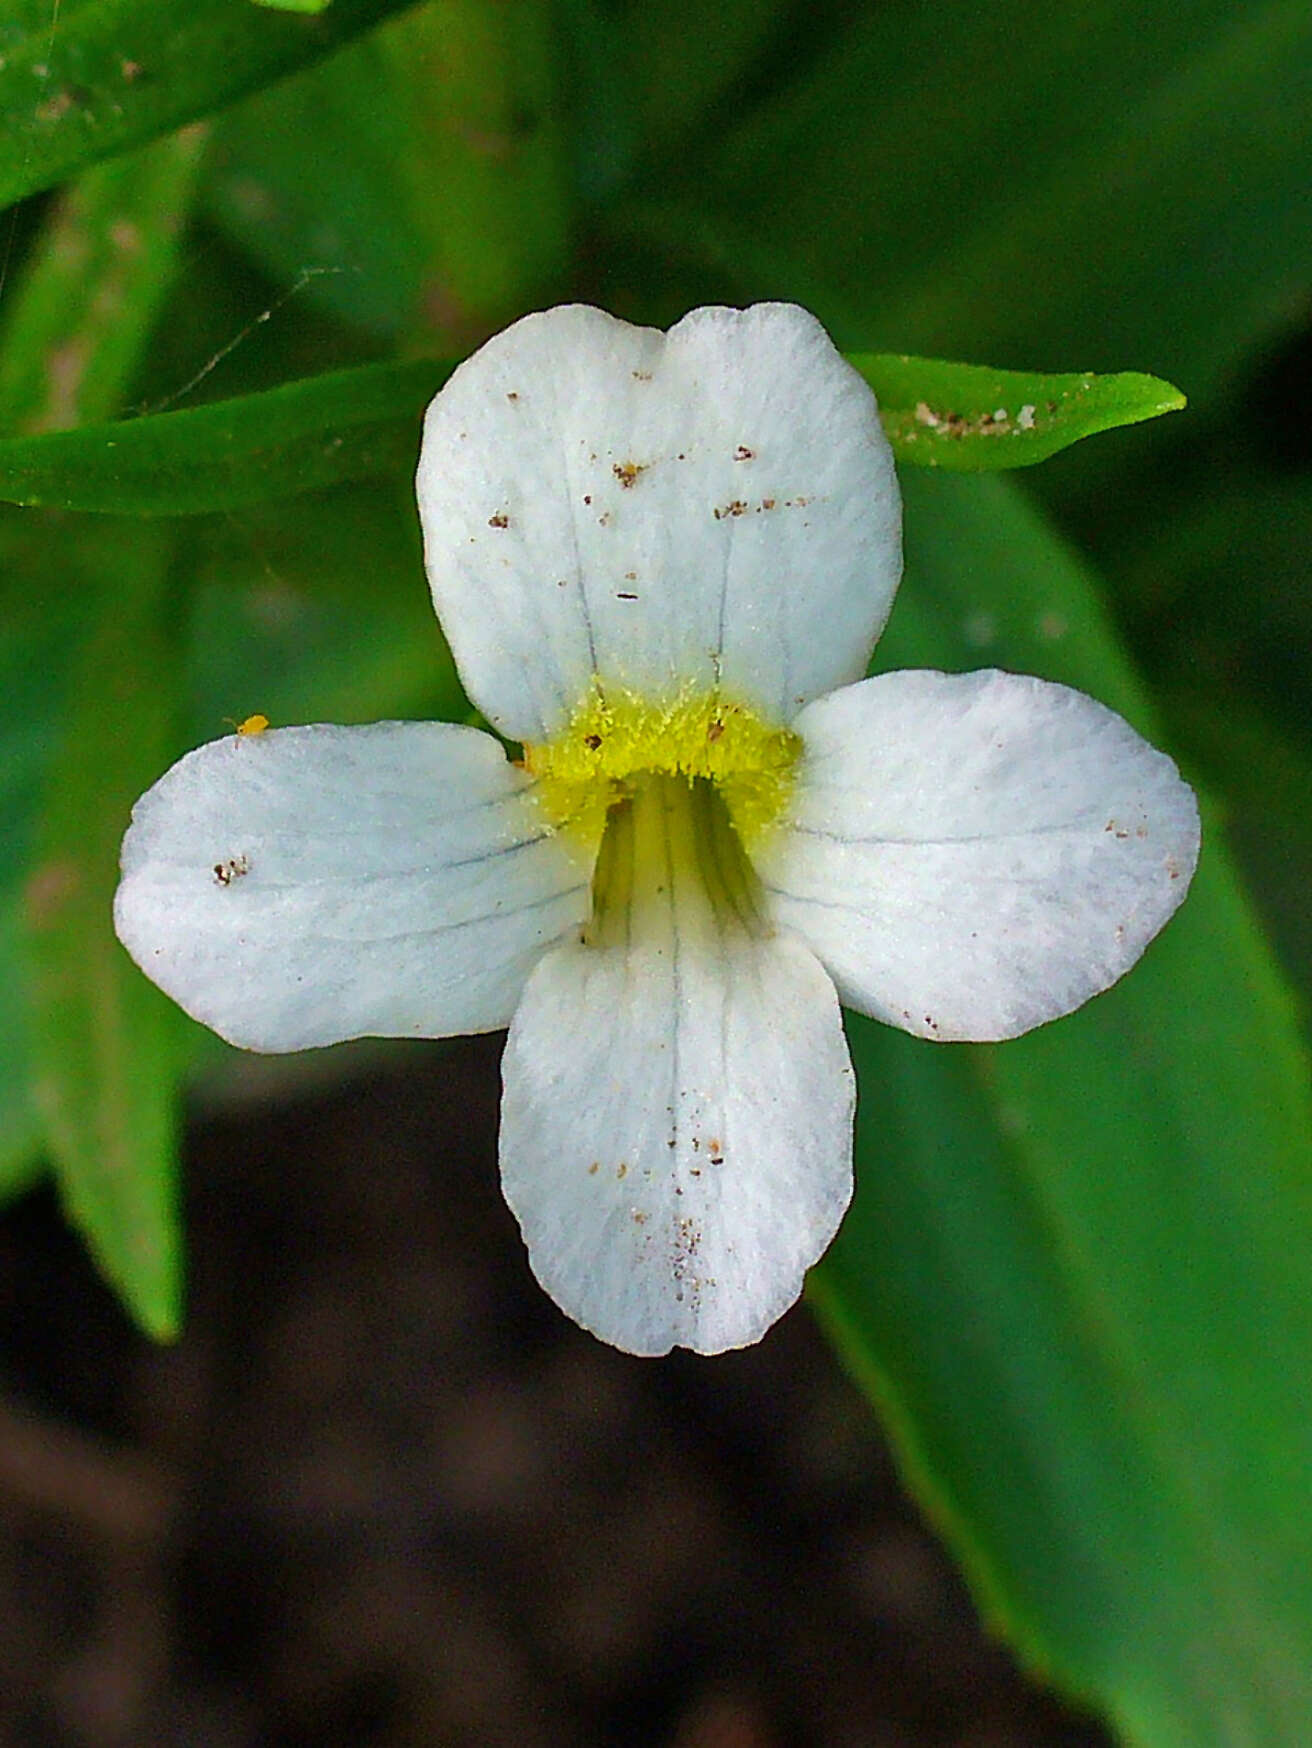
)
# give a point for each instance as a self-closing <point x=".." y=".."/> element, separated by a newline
<point x="253" y="724"/>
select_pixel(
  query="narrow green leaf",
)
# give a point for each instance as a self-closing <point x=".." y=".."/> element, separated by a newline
<point x="77" y="326"/>
<point x="294" y="5"/>
<point x="97" y="76"/>
<point x="1078" y="1269"/>
<point x="39" y="630"/>
<point x="345" y="425"/>
<point x="973" y="419"/>
<point x="20" y="1125"/>
<point x="104" y="1039"/>
<point x="357" y="424"/>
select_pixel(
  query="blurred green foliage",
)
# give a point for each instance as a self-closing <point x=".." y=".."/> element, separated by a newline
<point x="1078" y="1273"/>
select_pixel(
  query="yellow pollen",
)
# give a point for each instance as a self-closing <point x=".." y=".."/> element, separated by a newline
<point x="615" y="738"/>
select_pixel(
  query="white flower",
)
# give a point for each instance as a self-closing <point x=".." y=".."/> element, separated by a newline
<point x="662" y="561"/>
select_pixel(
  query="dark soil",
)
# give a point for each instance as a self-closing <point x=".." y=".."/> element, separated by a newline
<point x="383" y="1495"/>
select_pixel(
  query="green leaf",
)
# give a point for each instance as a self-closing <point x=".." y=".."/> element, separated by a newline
<point x="1218" y="579"/>
<point x="356" y="424"/>
<point x="1264" y="780"/>
<point x="646" y="84"/>
<point x="1052" y="192"/>
<point x="39" y="630"/>
<point x="1078" y="1267"/>
<point x="973" y="419"/>
<point x="281" y="623"/>
<point x="307" y="174"/>
<point x="344" y="425"/>
<point x="75" y="330"/>
<point x="424" y="169"/>
<point x="294" y="5"/>
<point x="1248" y="759"/>
<point x="487" y="172"/>
<point x="104" y="1040"/>
<point x="20" y="1125"/>
<point x="98" y="76"/>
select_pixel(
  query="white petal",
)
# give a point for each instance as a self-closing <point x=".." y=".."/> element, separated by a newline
<point x="307" y="885"/>
<point x="973" y="854"/>
<point x="676" y="1129"/>
<point x="718" y="501"/>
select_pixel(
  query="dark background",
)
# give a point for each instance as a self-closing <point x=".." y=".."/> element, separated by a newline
<point x="383" y="1493"/>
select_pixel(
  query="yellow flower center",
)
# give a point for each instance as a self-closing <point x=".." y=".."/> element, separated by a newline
<point x="615" y="740"/>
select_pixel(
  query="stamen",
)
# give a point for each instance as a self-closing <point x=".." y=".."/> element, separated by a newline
<point x="615" y="738"/>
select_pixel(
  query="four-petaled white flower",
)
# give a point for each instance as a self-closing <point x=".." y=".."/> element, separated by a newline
<point x="662" y="561"/>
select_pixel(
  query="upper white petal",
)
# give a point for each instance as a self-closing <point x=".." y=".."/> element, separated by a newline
<point x="308" y="885"/>
<point x="676" y="1127"/>
<point x="973" y="854"/>
<point x="713" y="503"/>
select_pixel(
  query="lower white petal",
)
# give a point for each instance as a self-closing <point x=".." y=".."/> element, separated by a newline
<point x="676" y="1127"/>
<point x="307" y="885"/>
<point x="973" y="854"/>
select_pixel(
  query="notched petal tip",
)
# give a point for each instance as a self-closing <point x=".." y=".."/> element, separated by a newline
<point x="574" y="454"/>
